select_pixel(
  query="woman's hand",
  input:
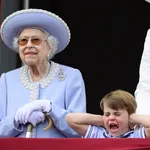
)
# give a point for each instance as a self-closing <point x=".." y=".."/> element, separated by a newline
<point x="36" y="117"/>
<point x="24" y="112"/>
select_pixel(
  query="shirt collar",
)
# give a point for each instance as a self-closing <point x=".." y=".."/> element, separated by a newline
<point x="126" y="135"/>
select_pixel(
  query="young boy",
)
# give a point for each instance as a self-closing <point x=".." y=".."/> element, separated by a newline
<point x="118" y="120"/>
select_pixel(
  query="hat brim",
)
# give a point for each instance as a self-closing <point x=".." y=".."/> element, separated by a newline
<point x="42" y="19"/>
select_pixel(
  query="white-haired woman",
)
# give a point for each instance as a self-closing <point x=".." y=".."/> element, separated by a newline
<point x="40" y="87"/>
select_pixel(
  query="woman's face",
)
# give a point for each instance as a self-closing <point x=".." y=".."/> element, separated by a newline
<point x="116" y="122"/>
<point x="33" y="47"/>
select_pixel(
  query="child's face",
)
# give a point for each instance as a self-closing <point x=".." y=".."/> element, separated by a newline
<point x="116" y="121"/>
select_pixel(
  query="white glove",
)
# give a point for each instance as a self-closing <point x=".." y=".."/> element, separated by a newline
<point x="22" y="115"/>
<point x="36" y="117"/>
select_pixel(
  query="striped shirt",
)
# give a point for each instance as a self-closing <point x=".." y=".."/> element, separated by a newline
<point x="100" y="132"/>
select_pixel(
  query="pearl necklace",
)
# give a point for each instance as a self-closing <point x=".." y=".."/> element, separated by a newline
<point x="44" y="82"/>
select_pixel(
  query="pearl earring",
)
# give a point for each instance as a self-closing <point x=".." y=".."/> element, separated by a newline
<point x="48" y="56"/>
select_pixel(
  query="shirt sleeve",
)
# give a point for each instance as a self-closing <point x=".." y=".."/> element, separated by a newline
<point x="142" y="92"/>
<point x="8" y="128"/>
<point x="94" y="132"/>
<point x="75" y="101"/>
<point x="139" y="133"/>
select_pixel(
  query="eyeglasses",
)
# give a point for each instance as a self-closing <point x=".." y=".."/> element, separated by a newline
<point x="34" y="40"/>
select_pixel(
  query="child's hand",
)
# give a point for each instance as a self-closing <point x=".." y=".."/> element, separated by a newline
<point x="131" y="122"/>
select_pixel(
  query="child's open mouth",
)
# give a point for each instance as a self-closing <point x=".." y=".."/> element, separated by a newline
<point x="113" y="127"/>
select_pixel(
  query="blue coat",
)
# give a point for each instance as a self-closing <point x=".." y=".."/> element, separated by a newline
<point x="64" y="87"/>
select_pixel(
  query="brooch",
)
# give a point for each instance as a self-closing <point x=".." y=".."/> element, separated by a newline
<point x="61" y="75"/>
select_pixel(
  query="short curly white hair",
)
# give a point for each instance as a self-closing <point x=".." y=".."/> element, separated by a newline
<point x="51" y="40"/>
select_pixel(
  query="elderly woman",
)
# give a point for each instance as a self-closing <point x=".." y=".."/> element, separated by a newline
<point x="40" y="86"/>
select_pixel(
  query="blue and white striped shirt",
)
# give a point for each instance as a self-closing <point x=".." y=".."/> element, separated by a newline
<point x="100" y="132"/>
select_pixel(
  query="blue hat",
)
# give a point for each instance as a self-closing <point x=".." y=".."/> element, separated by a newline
<point x="37" y="18"/>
